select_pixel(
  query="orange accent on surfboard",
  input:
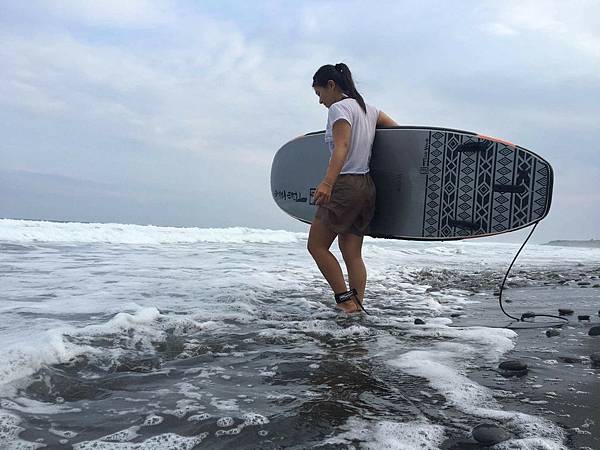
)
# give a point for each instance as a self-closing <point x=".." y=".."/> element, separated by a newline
<point x="490" y="138"/>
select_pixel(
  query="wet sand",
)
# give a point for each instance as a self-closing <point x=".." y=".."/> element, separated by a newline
<point x="561" y="384"/>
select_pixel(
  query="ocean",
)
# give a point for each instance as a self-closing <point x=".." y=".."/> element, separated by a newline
<point x="116" y="336"/>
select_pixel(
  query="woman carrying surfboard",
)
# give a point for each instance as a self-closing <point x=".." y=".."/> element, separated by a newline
<point x="346" y="196"/>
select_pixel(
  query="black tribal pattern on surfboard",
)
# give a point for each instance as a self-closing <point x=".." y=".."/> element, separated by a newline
<point x="477" y="186"/>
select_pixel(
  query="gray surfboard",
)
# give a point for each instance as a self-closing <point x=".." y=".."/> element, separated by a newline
<point x="432" y="183"/>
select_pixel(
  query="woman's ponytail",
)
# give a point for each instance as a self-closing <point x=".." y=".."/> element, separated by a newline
<point x="348" y="85"/>
<point x="340" y="73"/>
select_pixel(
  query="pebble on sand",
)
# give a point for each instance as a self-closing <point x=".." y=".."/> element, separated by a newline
<point x="489" y="434"/>
<point x="552" y="332"/>
<point x="594" y="331"/>
<point x="513" y="368"/>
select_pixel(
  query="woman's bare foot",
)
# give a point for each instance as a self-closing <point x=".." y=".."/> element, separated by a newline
<point x="349" y="307"/>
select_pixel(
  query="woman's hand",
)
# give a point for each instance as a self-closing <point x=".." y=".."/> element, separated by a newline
<point x="323" y="193"/>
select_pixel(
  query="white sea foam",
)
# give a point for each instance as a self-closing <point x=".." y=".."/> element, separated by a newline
<point x="225" y="422"/>
<point x="183" y="408"/>
<point x="444" y="365"/>
<point x="225" y="405"/>
<point x="35" y="352"/>
<point x="199" y="417"/>
<point x="152" y="420"/>
<point x="65" y="343"/>
<point x="474" y="254"/>
<point x="25" y="231"/>
<point x="381" y="435"/>
<point x="35" y="407"/>
<point x="126" y="435"/>
<point x="64" y="301"/>
<point x="481" y="253"/>
<point x="160" y="442"/>
<point x="9" y="434"/>
<point x="55" y="347"/>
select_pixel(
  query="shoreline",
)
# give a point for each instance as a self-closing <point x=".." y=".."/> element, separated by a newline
<point x="560" y="385"/>
<point x="590" y="243"/>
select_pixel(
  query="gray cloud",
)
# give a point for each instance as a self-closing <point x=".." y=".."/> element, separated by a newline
<point x="188" y="102"/>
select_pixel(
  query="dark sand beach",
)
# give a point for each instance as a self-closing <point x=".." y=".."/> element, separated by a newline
<point x="561" y="384"/>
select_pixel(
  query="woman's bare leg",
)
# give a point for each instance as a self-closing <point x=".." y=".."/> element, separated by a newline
<point x="351" y="248"/>
<point x="320" y="239"/>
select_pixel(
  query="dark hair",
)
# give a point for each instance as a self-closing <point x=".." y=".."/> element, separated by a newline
<point x="342" y="76"/>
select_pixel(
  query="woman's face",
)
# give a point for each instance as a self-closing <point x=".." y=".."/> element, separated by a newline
<point x="328" y="95"/>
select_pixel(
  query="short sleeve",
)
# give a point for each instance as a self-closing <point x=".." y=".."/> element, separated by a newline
<point x="339" y="111"/>
<point x="375" y="113"/>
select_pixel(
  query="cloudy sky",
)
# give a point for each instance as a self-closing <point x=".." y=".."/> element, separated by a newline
<point x="170" y="112"/>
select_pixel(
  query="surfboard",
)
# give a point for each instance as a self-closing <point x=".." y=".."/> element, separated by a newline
<point x="432" y="183"/>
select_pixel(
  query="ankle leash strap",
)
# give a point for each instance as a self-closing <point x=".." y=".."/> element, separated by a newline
<point x="349" y="295"/>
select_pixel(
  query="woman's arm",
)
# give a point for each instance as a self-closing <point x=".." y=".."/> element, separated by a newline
<point x="342" y="131"/>
<point x="384" y="121"/>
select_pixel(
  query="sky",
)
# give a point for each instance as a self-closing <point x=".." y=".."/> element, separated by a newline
<point x="170" y="112"/>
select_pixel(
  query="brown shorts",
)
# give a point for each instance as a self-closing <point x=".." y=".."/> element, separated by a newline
<point x="351" y="206"/>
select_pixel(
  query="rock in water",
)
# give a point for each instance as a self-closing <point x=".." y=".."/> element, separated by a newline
<point x="513" y="368"/>
<point x="527" y="315"/>
<point x="565" y="312"/>
<point x="595" y="358"/>
<point x="570" y="359"/>
<point x="552" y="332"/>
<point x="489" y="434"/>
<point x="419" y="322"/>
<point x="140" y="365"/>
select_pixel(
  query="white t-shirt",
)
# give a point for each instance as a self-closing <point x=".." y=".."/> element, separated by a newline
<point x="363" y="133"/>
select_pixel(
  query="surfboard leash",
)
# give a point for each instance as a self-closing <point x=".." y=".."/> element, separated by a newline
<point x="527" y="315"/>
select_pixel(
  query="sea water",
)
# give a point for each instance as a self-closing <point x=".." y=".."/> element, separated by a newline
<point x="120" y="336"/>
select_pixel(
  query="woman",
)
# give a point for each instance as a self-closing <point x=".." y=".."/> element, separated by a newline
<point x="346" y="196"/>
